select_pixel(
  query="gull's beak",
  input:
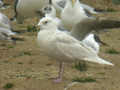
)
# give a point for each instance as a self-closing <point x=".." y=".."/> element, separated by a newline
<point x="73" y="2"/>
<point x="103" y="43"/>
<point x="38" y="24"/>
<point x="97" y="39"/>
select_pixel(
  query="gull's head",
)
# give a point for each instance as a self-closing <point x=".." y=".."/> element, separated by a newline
<point x="49" y="10"/>
<point x="47" y="23"/>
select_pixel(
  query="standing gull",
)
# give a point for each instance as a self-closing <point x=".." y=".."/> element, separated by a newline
<point x="28" y="8"/>
<point x="63" y="46"/>
<point x="60" y="4"/>
<point x="72" y="14"/>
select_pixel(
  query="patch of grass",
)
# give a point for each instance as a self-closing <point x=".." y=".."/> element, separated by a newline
<point x="21" y="75"/>
<point x="110" y="10"/>
<point x="6" y="61"/>
<point x="3" y="44"/>
<point x="117" y="2"/>
<point x="25" y="76"/>
<point x="31" y="28"/>
<point x="112" y="51"/>
<point x="81" y="66"/>
<point x="20" y="62"/>
<point x="84" y="80"/>
<point x="26" y="53"/>
<point x="10" y="46"/>
<point x="101" y="73"/>
<point x="8" y="86"/>
<point x="23" y="53"/>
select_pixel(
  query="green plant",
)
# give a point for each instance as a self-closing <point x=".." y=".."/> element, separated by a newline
<point x="116" y="1"/>
<point x="10" y="46"/>
<point x="31" y="28"/>
<point x="110" y="10"/>
<point x="81" y="66"/>
<point x="112" y="51"/>
<point x="20" y="62"/>
<point x="8" y="86"/>
<point x="84" y="80"/>
<point x="23" y="53"/>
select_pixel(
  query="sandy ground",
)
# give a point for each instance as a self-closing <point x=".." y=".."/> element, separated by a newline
<point x="25" y="67"/>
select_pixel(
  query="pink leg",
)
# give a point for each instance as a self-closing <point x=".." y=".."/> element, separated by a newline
<point x="60" y="74"/>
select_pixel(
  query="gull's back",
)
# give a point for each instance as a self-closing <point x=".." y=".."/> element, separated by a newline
<point x="4" y="21"/>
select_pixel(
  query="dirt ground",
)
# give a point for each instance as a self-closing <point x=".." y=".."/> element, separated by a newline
<point x="25" y="67"/>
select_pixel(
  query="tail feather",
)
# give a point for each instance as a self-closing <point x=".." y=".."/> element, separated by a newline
<point x="99" y="60"/>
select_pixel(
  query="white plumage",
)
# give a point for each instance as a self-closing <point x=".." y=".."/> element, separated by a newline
<point x="5" y="28"/>
<point x="72" y="14"/>
<point x="60" y="4"/>
<point x="49" y="36"/>
<point x="50" y="11"/>
<point x="5" y="34"/>
<point x="63" y="46"/>
<point x="28" y="8"/>
<point x="90" y="42"/>
<point x="4" y="21"/>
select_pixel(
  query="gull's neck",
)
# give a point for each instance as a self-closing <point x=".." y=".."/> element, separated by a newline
<point x="78" y="5"/>
<point x="52" y="14"/>
<point x="68" y="4"/>
<point x="50" y="28"/>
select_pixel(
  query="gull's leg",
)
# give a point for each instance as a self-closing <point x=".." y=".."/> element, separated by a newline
<point x="60" y="74"/>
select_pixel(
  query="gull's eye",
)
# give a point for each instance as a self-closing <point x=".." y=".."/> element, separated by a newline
<point x="45" y="22"/>
<point x="45" y="8"/>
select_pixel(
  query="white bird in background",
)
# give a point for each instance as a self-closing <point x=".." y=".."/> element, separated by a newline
<point x="1" y="3"/>
<point x="93" y="41"/>
<point x="60" y="4"/>
<point x="4" y="21"/>
<point x="28" y="8"/>
<point x="6" y="34"/>
<point x="50" y="11"/>
<point x="72" y="14"/>
<point x="64" y="47"/>
<point x="89" y="8"/>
